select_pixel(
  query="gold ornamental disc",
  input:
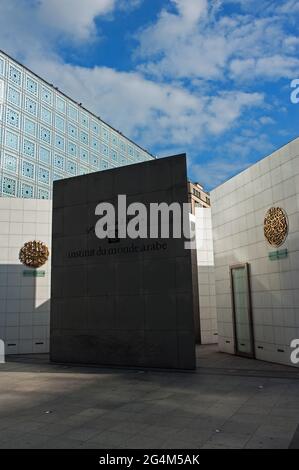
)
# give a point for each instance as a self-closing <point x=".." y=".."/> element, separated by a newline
<point x="276" y="226"/>
<point x="34" y="254"/>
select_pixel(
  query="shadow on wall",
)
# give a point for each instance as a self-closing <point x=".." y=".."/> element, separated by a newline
<point x="24" y="309"/>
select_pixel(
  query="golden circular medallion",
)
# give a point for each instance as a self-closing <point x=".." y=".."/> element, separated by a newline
<point x="276" y="226"/>
<point x="34" y="254"/>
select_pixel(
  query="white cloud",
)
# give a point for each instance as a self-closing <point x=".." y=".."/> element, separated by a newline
<point x="269" y="68"/>
<point x="227" y="107"/>
<point x="290" y="7"/>
<point x="191" y="10"/>
<point x="31" y="26"/>
<point x="208" y="44"/>
<point x="75" y="18"/>
<point x="266" y="121"/>
<point x="215" y="171"/>
<point x="153" y="113"/>
<point x="233" y="157"/>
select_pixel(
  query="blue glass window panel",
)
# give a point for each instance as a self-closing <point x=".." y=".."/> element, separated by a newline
<point x="12" y="140"/>
<point x="46" y="115"/>
<point x="10" y="163"/>
<point x="94" y="127"/>
<point x="83" y="171"/>
<point x="59" y="162"/>
<point x="84" y="137"/>
<point x="15" y="75"/>
<point x="27" y="169"/>
<point x="59" y="141"/>
<point x="12" y="118"/>
<point x="72" y="149"/>
<point x="105" y="134"/>
<point x="122" y="146"/>
<point x="9" y="186"/>
<point x="29" y="148"/>
<point x="45" y="135"/>
<point x="104" y="165"/>
<point x="95" y="144"/>
<point x="43" y="175"/>
<point x="57" y="177"/>
<point x="71" y="167"/>
<point x="123" y="160"/>
<point x="113" y="155"/>
<point x="59" y="123"/>
<point x="130" y="151"/>
<point x="44" y="155"/>
<point x="83" y="155"/>
<point x="1" y="66"/>
<point x="31" y="85"/>
<point x="73" y="112"/>
<point x="60" y="104"/>
<point x="73" y="130"/>
<point x="13" y="96"/>
<point x="84" y="120"/>
<point x="105" y="150"/>
<point x="46" y="95"/>
<point x="114" y="140"/>
<point x="43" y="194"/>
<point x="30" y="106"/>
<point x="137" y="154"/>
<point x="29" y="127"/>
<point x="94" y="161"/>
<point x="26" y="190"/>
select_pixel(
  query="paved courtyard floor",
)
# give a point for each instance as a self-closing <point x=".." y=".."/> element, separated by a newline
<point x="229" y="402"/>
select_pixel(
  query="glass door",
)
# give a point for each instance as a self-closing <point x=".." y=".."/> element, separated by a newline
<point x="242" y="313"/>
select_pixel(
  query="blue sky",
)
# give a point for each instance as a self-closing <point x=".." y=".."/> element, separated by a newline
<point x="209" y="78"/>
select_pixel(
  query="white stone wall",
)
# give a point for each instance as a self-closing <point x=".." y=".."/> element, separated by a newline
<point x="238" y="210"/>
<point x="24" y="301"/>
<point x="206" y="276"/>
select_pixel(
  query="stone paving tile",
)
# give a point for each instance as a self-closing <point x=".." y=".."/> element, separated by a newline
<point x="95" y="445"/>
<point x="81" y="433"/>
<point x="287" y="413"/>
<point x="252" y="404"/>
<point x="104" y="424"/>
<point x="232" y="427"/>
<point x="130" y="427"/>
<point x="24" y="441"/>
<point x="107" y="439"/>
<point x="284" y="432"/>
<point x="133" y="407"/>
<point x="250" y="418"/>
<point x="10" y="435"/>
<point x="195" y="438"/>
<point x="144" y="442"/>
<point x="227" y="440"/>
<point x="164" y="432"/>
<point x="205" y="422"/>
<point x="294" y="444"/>
<point x="24" y="426"/>
<point x="58" y="443"/>
<point x="57" y="428"/>
<point x="266" y="442"/>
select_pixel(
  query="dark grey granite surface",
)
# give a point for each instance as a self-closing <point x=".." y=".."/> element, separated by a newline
<point x="118" y="308"/>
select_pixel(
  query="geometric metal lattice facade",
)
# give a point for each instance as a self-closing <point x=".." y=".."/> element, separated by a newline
<point x="46" y="136"/>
